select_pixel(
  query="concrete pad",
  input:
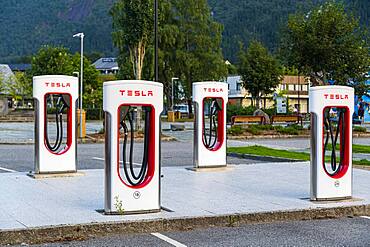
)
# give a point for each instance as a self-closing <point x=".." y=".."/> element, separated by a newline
<point x="55" y="175"/>
<point x="211" y="169"/>
<point x="243" y="192"/>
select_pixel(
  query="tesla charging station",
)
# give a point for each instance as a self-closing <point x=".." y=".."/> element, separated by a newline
<point x="132" y="181"/>
<point x="210" y="100"/>
<point x="55" y="137"/>
<point x="331" y="109"/>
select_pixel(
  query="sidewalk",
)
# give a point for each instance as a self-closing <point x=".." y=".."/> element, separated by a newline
<point x="56" y="206"/>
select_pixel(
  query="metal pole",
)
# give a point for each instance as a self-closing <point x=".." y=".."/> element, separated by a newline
<point x="173" y="91"/>
<point x="299" y="98"/>
<point x="156" y="39"/>
<point x="81" y="81"/>
<point x="173" y="94"/>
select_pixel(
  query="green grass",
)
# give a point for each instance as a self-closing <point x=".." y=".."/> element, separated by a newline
<point x="265" y="151"/>
<point x="356" y="148"/>
<point x="362" y="162"/>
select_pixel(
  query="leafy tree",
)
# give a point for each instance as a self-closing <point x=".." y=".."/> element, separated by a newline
<point x="168" y="44"/>
<point x="51" y="60"/>
<point x="2" y="83"/>
<point x="326" y="44"/>
<point x="17" y="86"/>
<point x="92" y="83"/>
<point x="132" y="30"/>
<point x="190" y="44"/>
<point x="260" y="72"/>
<point x="59" y="61"/>
<point x="22" y="86"/>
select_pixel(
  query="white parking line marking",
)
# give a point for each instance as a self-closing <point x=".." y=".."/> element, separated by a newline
<point x="366" y="217"/>
<point x="168" y="240"/>
<point x="7" y="170"/>
<point x="97" y="158"/>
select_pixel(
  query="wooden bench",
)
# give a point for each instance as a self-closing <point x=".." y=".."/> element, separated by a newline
<point x="247" y="119"/>
<point x="287" y="119"/>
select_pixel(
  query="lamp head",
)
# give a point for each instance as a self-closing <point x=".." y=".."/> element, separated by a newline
<point x="80" y="35"/>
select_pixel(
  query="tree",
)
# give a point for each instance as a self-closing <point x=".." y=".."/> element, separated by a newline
<point x="51" y="60"/>
<point x="132" y="30"/>
<point x="2" y="83"/>
<point x="59" y="61"/>
<point x="260" y="72"/>
<point x="326" y="44"/>
<point x="21" y="88"/>
<point x="93" y="85"/>
<point x="190" y="44"/>
<point x="18" y="86"/>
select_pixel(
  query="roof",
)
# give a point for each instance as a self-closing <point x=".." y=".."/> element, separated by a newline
<point x="293" y="79"/>
<point x="20" y="66"/>
<point x="106" y="63"/>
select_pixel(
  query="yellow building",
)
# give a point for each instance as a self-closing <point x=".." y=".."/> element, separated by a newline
<point x="295" y="88"/>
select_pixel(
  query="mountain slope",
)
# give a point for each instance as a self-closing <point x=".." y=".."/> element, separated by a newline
<point x="262" y="19"/>
<point x="27" y="25"/>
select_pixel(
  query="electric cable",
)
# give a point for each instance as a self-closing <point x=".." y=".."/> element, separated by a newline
<point x="60" y="106"/>
<point x="211" y="140"/>
<point x="128" y="115"/>
<point x="333" y="136"/>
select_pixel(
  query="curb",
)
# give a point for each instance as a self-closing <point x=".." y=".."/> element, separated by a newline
<point x="94" y="140"/>
<point x="85" y="141"/>
<point x="230" y="137"/>
<point x="262" y="158"/>
<point x="85" y="231"/>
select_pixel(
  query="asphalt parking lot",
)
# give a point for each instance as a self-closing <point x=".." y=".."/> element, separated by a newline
<point x="333" y="232"/>
<point x="20" y="158"/>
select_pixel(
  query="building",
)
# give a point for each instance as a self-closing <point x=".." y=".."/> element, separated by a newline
<point x="20" y="67"/>
<point x="6" y="77"/>
<point x="107" y="65"/>
<point x="295" y="88"/>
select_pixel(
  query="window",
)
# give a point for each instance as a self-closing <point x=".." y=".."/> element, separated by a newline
<point x="238" y="86"/>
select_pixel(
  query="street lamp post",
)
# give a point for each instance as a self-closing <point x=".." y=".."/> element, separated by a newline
<point x="299" y="96"/>
<point x="173" y="91"/>
<point x="81" y="36"/>
<point x="156" y="39"/>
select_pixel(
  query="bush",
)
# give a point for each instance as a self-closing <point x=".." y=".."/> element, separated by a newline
<point x="264" y="127"/>
<point x="235" y="130"/>
<point x="270" y="111"/>
<point x="234" y="110"/>
<point x="254" y="130"/>
<point x="94" y="114"/>
<point x="359" y="129"/>
<point x="287" y="130"/>
<point x="296" y="126"/>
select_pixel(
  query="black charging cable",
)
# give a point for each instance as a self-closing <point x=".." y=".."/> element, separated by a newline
<point x="60" y="106"/>
<point x="128" y="167"/>
<point x="332" y="133"/>
<point x="210" y="139"/>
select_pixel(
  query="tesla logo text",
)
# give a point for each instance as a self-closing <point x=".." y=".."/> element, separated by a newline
<point x="213" y="90"/>
<point x="336" y="96"/>
<point x="136" y="93"/>
<point x="57" y="84"/>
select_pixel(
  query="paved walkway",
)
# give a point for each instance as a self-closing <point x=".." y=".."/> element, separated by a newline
<point x="28" y="203"/>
